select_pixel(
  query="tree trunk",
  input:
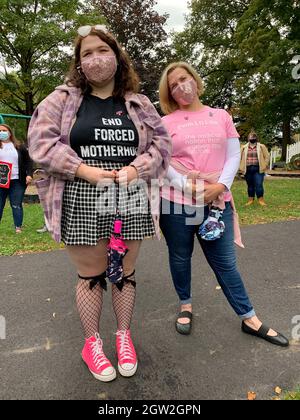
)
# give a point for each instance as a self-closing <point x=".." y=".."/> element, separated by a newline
<point x="29" y="103"/>
<point x="29" y="107"/>
<point x="286" y="137"/>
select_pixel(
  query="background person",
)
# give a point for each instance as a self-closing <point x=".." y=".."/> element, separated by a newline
<point x="255" y="159"/>
<point x="14" y="152"/>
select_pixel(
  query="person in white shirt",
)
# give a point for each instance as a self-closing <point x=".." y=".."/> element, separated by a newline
<point x="12" y="152"/>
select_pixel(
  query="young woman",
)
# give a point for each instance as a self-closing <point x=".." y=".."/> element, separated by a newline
<point x="255" y="159"/>
<point x="206" y="146"/>
<point x="11" y="151"/>
<point x="94" y="129"/>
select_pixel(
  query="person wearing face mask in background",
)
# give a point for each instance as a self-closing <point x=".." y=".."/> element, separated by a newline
<point x="255" y="159"/>
<point x="13" y="152"/>
<point x="206" y="147"/>
<point x="97" y="129"/>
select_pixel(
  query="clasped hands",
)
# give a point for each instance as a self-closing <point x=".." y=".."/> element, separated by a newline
<point x="207" y="192"/>
<point x="98" y="176"/>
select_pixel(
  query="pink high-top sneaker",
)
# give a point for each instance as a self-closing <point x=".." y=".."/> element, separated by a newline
<point x="98" y="364"/>
<point x="126" y="353"/>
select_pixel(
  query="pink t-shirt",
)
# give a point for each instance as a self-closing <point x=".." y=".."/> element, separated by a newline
<point x="199" y="140"/>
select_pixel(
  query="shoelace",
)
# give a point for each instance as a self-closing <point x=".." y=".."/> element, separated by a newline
<point x="99" y="357"/>
<point x="125" y="349"/>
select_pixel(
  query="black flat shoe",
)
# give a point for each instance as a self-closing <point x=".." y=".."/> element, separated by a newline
<point x="278" y="340"/>
<point x="184" y="328"/>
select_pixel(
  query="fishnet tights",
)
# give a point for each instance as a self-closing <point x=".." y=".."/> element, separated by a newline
<point x="89" y="304"/>
<point x="123" y="304"/>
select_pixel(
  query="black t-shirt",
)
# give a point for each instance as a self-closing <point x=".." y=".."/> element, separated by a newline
<point x="104" y="131"/>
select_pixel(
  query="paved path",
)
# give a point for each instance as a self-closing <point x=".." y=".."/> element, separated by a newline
<point x="40" y="358"/>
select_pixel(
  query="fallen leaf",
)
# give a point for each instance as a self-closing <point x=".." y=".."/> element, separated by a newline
<point x="276" y="398"/>
<point x="295" y="342"/>
<point x="251" y="395"/>
<point x="102" y="396"/>
<point x="48" y="344"/>
<point x="278" y="390"/>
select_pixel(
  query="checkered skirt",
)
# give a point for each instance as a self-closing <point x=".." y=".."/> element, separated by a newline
<point x="89" y="212"/>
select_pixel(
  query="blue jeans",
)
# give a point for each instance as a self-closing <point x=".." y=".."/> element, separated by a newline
<point x="220" y="255"/>
<point x="15" y="192"/>
<point x="254" y="181"/>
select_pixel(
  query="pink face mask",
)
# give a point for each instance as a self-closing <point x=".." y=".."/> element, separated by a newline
<point x="99" y="68"/>
<point x="185" y="93"/>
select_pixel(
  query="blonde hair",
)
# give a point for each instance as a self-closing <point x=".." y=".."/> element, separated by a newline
<point x="167" y="103"/>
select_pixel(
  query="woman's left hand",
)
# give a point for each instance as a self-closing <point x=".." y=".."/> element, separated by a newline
<point x="212" y="191"/>
<point x="28" y="180"/>
<point x="126" y="175"/>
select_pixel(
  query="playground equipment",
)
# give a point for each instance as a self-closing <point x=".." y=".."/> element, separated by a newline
<point x="2" y="121"/>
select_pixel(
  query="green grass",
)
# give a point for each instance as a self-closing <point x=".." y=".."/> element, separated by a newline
<point x="27" y="241"/>
<point x="282" y="196"/>
<point x="292" y="396"/>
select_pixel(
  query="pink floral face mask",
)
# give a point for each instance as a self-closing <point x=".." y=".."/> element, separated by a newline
<point x="99" y="68"/>
<point x="185" y="93"/>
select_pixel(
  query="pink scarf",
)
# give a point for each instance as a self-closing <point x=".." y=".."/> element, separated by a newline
<point x="212" y="178"/>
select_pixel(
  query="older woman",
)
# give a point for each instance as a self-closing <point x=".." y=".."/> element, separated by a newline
<point x="205" y="146"/>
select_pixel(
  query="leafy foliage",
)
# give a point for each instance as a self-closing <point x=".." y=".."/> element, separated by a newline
<point x="268" y="40"/>
<point x="140" y="30"/>
<point x="35" y="43"/>
<point x="243" y="50"/>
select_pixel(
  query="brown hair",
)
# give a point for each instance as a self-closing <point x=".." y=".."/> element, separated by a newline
<point x="167" y="103"/>
<point x="126" y="79"/>
<point x="13" y="139"/>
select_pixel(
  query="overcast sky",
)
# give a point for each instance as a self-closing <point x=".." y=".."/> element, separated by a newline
<point x="176" y="9"/>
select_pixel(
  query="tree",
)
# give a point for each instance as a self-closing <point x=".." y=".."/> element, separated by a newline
<point x="208" y="43"/>
<point x="18" y="125"/>
<point x="140" y="30"/>
<point x="268" y="37"/>
<point x="243" y="50"/>
<point x="35" y="41"/>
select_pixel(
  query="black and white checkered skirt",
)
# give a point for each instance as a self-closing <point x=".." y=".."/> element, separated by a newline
<point x="89" y="212"/>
